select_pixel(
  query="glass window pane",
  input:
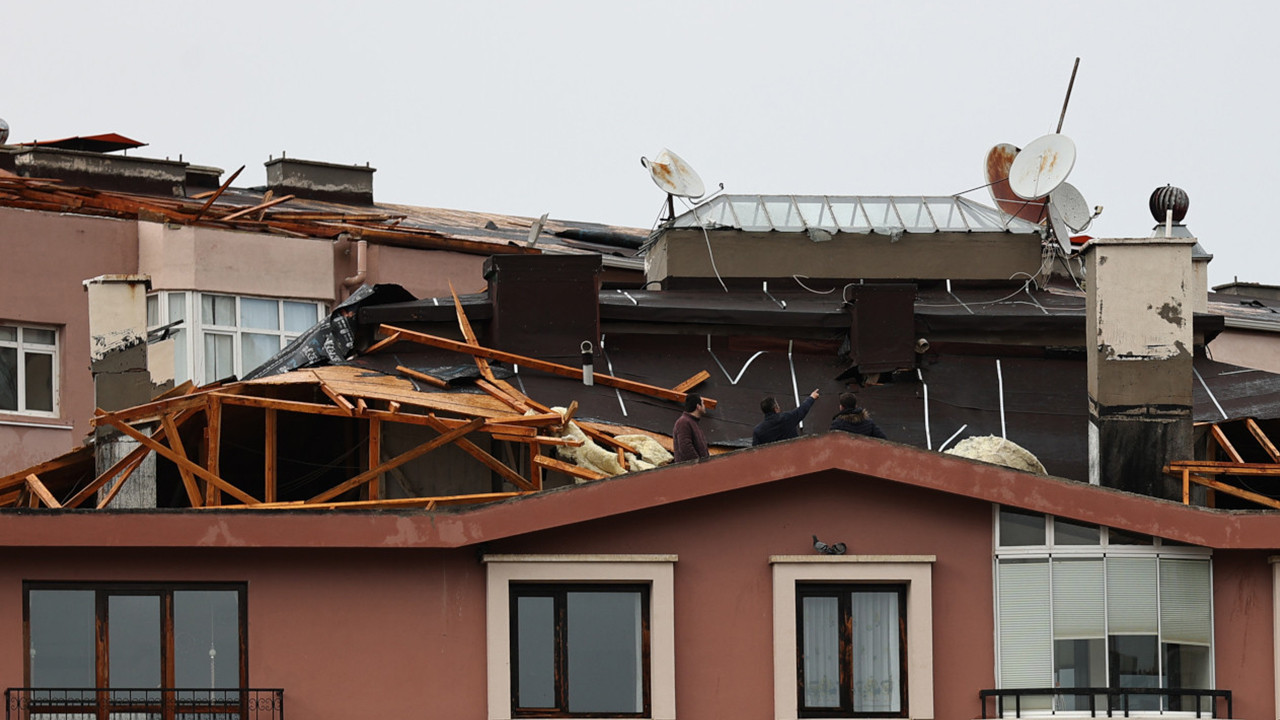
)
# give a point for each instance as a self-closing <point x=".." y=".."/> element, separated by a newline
<point x="217" y="310"/>
<point x="299" y="317"/>
<point x="206" y="638"/>
<point x="256" y="349"/>
<point x="1079" y="664"/>
<point x="8" y="378"/>
<point x="1134" y="665"/>
<point x="36" y="336"/>
<point x="605" y="649"/>
<point x="62" y="638"/>
<point x="1019" y="528"/>
<point x="259" y="314"/>
<point x="217" y="357"/>
<point x="39" y="381"/>
<point x="1066" y="532"/>
<point x="8" y="333"/>
<point x="153" y="310"/>
<point x="877" y="681"/>
<point x="133" y="638"/>
<point x="1187" y="666"/>
<point x="177" y="306"/>
<point x="535" y="652"/>
<point x="820" y="617"/>
<point x="1120" y="537"/>
<point x="181" y="365"/>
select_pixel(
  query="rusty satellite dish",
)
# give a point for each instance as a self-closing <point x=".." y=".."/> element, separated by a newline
<point x="675" y="176"/>
<point x="1042" y="166"/>
<point x="999" y="159"/>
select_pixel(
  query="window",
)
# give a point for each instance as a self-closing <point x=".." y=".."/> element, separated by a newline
<point x="852" y="648"/>
<point x="28" y="370"/>
<point x="1085" y="606"/>
<point x="135" y="636"/>
<point x="581" y="636"/>
<point x="579" y="649"/>
<point x="224" y="335"/>
<point x="853" y="636"/>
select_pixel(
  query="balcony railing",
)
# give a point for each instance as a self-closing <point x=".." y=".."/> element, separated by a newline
<point x="143" y="704"/>
<point x="1109" y="701"/>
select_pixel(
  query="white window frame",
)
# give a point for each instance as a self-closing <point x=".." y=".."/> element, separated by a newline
<point x="21" y="345"/>
<point x="914" y="571"/>
<point x="196" y="329"/>
<point x="658" y="571"/>
<point x="1101" y="551"/>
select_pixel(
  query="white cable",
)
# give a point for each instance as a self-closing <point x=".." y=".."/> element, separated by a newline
<point x="710" y="255"/>
<point x="806" y="287"/>
<point x="928" y="439"/>
<point x="609" y="362"/>
<point x="795" y="390"/>
<point x="732" y="380"/>
<point x="954" y="435"/>
<point x="1205" y="385"/>
<point x="1000" y="382"/>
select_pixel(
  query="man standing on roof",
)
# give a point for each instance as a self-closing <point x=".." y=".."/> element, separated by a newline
<point x="778" y="425"/>
<point x="853" y="419"/>
<point x="687" y="440"/>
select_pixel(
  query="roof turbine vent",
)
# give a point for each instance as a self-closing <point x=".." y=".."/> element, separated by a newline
<point x="1169" y="198"/>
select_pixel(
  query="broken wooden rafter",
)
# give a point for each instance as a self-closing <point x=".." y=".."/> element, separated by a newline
<point x="217" y="194"/>
<point x="567" y="468"/>
<point x="465" y="326"/>
<point x="692" y="382"/>
<point x="498" y="394"/>
<point x="1262" y="439"/>
<point x="542" y="440"/>
<point x="255" y="208"/>
<point x="38" y="489"/>
<point x="391" y="503"/>
<point x="335" y="396"/>
<point x="484" y="457"/>
<point x="431" y="380"/>
<point x="175" y="444"/>
<point x="540" y="365"/>
<point x="209" y="477"/>
<point x="1225" y="444"/>
<point x="1220" y="486"/>
<point x="398" y="460"/>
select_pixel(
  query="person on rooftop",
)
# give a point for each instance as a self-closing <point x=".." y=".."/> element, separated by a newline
<point x="687" y="440"/>
<point x="853" y="419"/>
<point x="778" y="425"/>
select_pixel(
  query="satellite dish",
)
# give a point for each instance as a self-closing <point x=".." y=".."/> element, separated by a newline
<point x="674" y="175"/>
<point x="999" y="158"/>
<point x="1071" y="206"/>
<point x="1042" y="166"/>
<point x="1059" y="227"/>
<point x="4" y="131"/>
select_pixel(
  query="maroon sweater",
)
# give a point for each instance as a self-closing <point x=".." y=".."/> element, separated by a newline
<point x="687" y="439"/>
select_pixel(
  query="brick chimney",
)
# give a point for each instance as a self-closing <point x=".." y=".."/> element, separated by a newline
<point x="320" y="181"/>
<point x="544" y="305"/>
<point x="1140" y="348"/>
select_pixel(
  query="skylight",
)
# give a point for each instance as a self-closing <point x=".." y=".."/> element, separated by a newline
<point x="851" y="214"/>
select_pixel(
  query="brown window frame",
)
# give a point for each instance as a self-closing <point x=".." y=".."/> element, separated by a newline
<point x="559" y="593"/>
<point x="843" y="592"/>
<point x="104" y="590"/>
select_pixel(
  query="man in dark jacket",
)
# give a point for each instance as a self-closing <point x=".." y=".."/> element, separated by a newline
<point x="687" y="440"/>
<point x="778" y="425"/>
<point x="853" y="419"/>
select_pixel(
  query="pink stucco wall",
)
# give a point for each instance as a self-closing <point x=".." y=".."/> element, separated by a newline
<point x="1244" y="632"/>
<point x="47" y="257"/>
<point x="400" y="633"/>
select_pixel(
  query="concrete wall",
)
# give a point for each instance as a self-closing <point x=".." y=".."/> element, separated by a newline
<point x="49" y="256"/>
<point x="1247" y="348"/>
<point x="238" y="263"/>
<point x="425" y="273"/>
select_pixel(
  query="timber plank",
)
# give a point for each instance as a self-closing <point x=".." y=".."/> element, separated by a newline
<point x="1263" y="440"/>
<point x="38" y="489"/>
<point x="175" y="443"/>
<point x="567" y="468"/>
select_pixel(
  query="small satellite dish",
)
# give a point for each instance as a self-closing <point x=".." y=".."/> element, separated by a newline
<point x="4" y="131"/>
<point x="674" y="175"/>
<point x="1060" y="231"/>
<point x="1071" y="206"/>
<point x="999" y="158"/>
<point x="1042" y="166"/>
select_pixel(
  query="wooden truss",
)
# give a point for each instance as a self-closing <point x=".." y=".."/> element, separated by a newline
<point x="1216" y="474"/>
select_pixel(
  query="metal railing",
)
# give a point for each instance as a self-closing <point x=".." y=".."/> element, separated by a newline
<point x="143" y="704"/>
<point x="1117" y="700"/>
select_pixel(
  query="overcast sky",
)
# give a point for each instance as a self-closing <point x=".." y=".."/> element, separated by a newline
<point x="526" y="108"/>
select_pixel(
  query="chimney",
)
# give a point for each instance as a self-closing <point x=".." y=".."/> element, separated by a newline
<point x="1169" y="206"/>
<point x="122" y="173"/>
<point x="1140" y="350"/>
<point x="544" y="306"/>
<point x="121" y="379"/>
<point x="320" y="181"/>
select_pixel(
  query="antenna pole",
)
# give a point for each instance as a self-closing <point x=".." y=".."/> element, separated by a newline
<point x="1067" y="99"/>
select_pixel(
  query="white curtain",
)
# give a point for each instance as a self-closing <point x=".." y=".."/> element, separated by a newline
<point x="876" y="652"/>
<point x="821" y="652"/>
